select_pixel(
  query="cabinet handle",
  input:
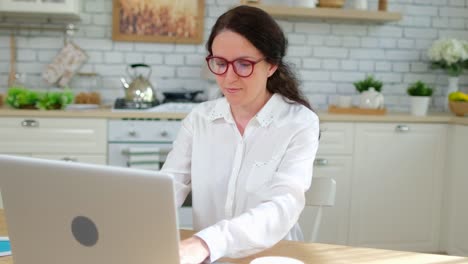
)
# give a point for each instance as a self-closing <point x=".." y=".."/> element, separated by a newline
<point x="30" y="123"/>
<point x="69" y="159"/>
<point x="132" y="133"/>
<point x="164" y="133"/>
<point x="320" y="162"/>
<point x="402" y="128"/>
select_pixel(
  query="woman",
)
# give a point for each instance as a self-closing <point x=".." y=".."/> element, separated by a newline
<point x="248" y="156"/>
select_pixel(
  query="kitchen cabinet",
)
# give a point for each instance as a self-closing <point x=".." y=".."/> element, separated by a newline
<point x="78" y="140"/>
<point x="457" y="232"/>
<point x="50" y="8"/>
<point x="397" y="186"/>
<point x="333" y="160"/>
<point x="56" y="138"/>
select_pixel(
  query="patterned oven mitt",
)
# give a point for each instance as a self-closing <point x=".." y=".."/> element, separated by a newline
<point x="65" y="64"/>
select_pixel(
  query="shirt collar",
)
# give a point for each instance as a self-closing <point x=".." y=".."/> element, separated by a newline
<point x="269" y="111"/>
<point x="221" y="109"/>
<point x="264" y="117"/>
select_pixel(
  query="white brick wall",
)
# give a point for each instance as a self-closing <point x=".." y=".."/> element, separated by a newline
<point x="328" y="55"/>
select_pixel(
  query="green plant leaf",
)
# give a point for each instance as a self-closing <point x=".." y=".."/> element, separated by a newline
<point x="367" y="83"/>
<point x="419" y="88"/>
<point x="19" y="97"/>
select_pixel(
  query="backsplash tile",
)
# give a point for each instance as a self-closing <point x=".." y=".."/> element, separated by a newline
<point x="328" y="55"/>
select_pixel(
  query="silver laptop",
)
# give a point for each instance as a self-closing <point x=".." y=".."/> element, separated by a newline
<point x="61" y="212"/>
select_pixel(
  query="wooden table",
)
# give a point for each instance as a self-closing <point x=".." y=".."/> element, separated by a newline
<point x="319" y="253"/>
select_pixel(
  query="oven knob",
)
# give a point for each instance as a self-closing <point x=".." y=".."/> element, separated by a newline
<point x="164" y="134"/>
<point x="132" y="133"/>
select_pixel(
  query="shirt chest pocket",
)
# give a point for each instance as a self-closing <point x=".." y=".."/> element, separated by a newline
<point x="261" y="173"/>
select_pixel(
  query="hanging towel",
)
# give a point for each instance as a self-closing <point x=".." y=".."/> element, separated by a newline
<point x="65" y="64"/>
<point x="143" y="158"/>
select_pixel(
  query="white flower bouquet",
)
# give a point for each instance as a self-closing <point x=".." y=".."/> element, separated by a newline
<point x="450" y="55"/>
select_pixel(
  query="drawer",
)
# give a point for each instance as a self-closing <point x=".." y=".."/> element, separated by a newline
<point x="143" y="131"/>
<point x="336" y="138"/>
<point x="52" y="135"/>
<point x="91" y="159"/>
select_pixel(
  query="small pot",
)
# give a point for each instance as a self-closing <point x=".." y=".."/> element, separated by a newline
<point x="181" y="95"/>
<point x="419" y="105"/>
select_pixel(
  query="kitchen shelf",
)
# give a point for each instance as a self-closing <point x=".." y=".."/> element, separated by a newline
<point x="279" y="11"/>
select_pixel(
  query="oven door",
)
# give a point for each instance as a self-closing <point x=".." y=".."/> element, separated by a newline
<point x="149" y="156"/>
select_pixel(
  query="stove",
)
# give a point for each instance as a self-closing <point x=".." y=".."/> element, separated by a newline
<point x="173" y="105"/>
<point x="121" y="103"/>
<point x="178" y="106"/>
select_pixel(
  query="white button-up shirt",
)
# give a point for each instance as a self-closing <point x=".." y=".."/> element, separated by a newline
<point x="247" y="190"/>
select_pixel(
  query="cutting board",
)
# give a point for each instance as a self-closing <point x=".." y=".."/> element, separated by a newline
<point x="12" y="75"/>
<point x="355" y="110"/>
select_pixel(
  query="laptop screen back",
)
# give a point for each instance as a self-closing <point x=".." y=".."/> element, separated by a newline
<point x="62" y="212"/>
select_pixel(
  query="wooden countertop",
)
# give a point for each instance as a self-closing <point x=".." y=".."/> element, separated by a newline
<point x="319" y="253"/>
<point x="95" y="113"/>
<point x="324" y="116"/>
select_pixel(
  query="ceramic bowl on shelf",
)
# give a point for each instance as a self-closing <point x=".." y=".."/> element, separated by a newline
<point x="458" y="108"/>
<point x="331" y="3"/>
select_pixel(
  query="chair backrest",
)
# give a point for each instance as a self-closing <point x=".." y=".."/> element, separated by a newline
<point x="322" y="193"/>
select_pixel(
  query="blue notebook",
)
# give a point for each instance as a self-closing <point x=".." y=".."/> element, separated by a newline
<point x="5" y="248"/>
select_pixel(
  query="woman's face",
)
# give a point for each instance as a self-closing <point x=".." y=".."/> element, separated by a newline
<point x="248" y="91"/>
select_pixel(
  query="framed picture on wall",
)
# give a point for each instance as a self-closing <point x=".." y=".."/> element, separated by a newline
<point x="171" y="21"/>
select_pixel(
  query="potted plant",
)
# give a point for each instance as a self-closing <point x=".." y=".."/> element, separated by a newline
<point x="370" y="97"/>
<point x="55" y="100"/>
<point x="420" y="97"/>
<point x="20" y="97"/>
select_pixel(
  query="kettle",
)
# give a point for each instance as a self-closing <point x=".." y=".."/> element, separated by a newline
<point x="371" y="99"/>
<point x="140" y="89"/>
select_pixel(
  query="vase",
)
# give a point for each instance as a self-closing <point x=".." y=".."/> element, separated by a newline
<point x="419" y="105"/>
<point x="452" y="87"/>
<point x="371" y="99"/>
<point x="360" y="4"/>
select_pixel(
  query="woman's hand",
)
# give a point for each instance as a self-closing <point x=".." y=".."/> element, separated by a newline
<point x="193" y="250"/>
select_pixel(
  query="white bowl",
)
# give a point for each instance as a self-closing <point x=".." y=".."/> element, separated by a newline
<point x="276" y="260"/>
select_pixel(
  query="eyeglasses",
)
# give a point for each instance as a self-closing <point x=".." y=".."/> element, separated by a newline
<point x="242" y="67"/>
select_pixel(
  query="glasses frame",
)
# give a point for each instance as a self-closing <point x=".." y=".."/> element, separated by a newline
<point x="253" y="63"/>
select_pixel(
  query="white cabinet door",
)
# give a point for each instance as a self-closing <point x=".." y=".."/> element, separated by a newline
<point x="336" y="138"/>
<point x="333" y="160"/>
<point x="53" y="135"/>
<point x="457" y="242"/>
<point x="334" y="225"/>
<point x="397" y="186"/>
<point x="92" y="159"/>
<point x="68" y="8"/>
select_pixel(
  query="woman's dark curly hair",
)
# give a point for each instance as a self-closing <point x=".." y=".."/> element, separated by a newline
<point x="266" y="35"/>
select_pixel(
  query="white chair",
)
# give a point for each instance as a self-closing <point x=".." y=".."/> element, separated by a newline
<point x="321" y="194"/>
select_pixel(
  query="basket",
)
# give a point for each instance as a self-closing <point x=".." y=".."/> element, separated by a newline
<point x="331" y="3"/>
<point x="458" y="108"/>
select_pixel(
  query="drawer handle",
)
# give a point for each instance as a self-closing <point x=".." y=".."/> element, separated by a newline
<point x="320" y="162"/>
<point x="30" y="123"/>
<point x="69" y="159"/>
<point x="402" y="128"/>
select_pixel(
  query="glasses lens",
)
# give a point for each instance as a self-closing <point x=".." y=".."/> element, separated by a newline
<point x="243" y="67"/>
<point x="217" y="65"/>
